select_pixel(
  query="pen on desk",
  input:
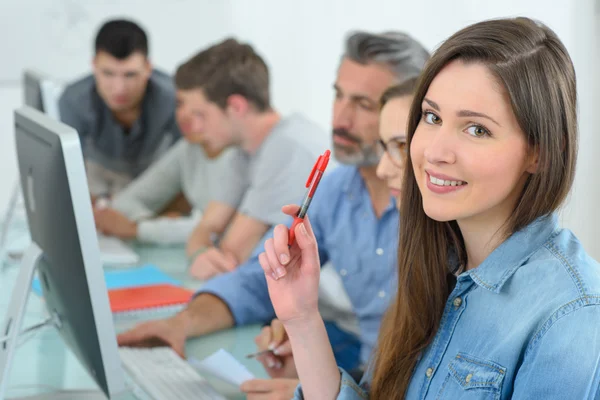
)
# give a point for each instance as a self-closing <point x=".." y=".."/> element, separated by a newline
<point x="259" y="353"/>
<point x="313" y="181"/>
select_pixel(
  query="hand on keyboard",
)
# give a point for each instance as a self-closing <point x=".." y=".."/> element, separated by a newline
<point x="165" y="332"/>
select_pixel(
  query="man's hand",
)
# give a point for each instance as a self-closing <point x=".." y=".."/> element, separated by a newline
<point x="270" y="389"/>
<point x="212" y="262"/>
<point x="112" y="223"/>
<point x="165" y="332"/>
<point x="280" y="363"/>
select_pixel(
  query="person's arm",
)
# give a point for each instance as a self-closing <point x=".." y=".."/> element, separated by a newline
<point x="563" y="360"/>
<point x="215" y="218"/>
<point x="204" y="314"/>
<point x="292" y="275"/>
<point x="154" y="189"/>
<point x="142" y="199"/>
<point x="314" y="359"/>
<point x="167" y="230"/>
<point x="245" y="292"/>
<point x="242" y="235"/>
<point x="239" y="298"/>
<point x="278" y="178"/>
<point x="227" y="185"/>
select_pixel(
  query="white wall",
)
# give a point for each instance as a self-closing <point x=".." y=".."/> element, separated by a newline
<point x="302" y="42"/>
<point x="581" y="213"/>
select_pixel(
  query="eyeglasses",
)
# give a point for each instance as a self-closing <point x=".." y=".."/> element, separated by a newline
<point x="396" y="149"/>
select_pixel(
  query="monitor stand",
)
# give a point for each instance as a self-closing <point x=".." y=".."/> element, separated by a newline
<point x="11" y="327"/>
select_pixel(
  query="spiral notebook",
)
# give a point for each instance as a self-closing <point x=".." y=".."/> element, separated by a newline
<point x="143" y="298"/>
<point x="145" y="289"/>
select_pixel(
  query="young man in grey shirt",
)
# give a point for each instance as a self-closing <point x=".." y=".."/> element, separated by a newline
<point x="124" y="112"/>
<point x="264" y="159"/>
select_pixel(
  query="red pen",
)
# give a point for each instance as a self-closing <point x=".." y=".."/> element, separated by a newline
<point x="313" y="181"/>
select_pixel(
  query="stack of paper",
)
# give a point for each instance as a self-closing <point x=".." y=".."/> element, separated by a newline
<point x="224" y="366"/>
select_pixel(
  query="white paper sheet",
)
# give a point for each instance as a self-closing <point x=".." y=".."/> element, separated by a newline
<point x="224" y="366"/>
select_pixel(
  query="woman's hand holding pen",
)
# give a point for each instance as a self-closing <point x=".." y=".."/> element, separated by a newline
<point x="293" y="279"/>
<point x="292" y="273"/>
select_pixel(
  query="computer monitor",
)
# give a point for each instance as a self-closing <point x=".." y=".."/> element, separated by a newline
<point x="32" y="89"/>
<point x="64" y="251"/>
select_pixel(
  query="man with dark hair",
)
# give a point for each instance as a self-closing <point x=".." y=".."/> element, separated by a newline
<point x="223" y="107"/>
<point x="124" y="112"/>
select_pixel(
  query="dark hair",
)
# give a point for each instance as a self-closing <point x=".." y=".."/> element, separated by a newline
<point x="121" y="38"/>
<point x="403" y="89"/>
<point x="537" y="74"/>
<point x="224" y="69"/>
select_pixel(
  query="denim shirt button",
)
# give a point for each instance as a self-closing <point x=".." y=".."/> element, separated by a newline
<point x="429" y="372"/>
<point x="457" y="302"/>
<point x="468" y="378"/>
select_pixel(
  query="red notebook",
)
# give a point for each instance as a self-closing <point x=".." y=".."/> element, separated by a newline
<point x="147" y="297"/>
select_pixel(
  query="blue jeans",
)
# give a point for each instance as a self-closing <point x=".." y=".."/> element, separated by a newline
<point x="346" y="346"/>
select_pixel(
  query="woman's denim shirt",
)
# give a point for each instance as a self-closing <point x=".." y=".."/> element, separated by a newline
<point x="525" y="324"/>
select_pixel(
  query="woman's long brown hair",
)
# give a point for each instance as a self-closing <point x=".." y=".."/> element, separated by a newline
<point x="533" y="66"/>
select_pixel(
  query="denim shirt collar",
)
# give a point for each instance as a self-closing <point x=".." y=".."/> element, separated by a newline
<point x="355" y="188"/>
<point x="353" y="185"/>
<point x="505" y="260"/>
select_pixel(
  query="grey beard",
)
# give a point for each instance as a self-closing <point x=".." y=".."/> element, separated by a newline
<point x="367" y="156"/>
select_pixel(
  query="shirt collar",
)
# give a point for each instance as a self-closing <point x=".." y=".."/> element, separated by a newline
<point x="514" y="252"/>
<point x="353" y="184"/>
<point x="355" y="189"/>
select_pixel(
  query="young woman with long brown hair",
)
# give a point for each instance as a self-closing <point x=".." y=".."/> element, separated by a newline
<point x="495" y="300"/>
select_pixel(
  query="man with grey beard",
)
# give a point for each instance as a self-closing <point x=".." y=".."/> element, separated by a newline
<point x="353" y="215"/>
